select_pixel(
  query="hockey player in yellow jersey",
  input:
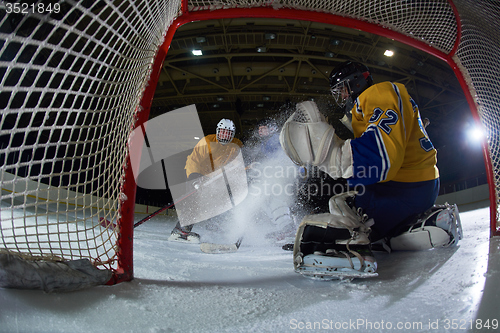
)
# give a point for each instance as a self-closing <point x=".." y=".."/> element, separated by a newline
<point x="390" y="165"/>
<point x="210" y="153"/>
<point x="405" y="154"/>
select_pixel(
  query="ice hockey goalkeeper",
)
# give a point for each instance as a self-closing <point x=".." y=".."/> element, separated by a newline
<point x="391" y="164"/>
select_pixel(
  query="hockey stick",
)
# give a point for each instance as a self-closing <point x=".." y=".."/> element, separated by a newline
<point x="162" y="209"/>
<point x="220" y="248"/>
<point x="210" y="180"/>
<point x="107" y="223"/>
<point x="110" y="225"/>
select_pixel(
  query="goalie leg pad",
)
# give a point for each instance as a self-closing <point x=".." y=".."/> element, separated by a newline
<point x="325" y="248"/>
<point x="420" y="239"/>
<point x="448" y="219"/>
<point x="440" y="226"/>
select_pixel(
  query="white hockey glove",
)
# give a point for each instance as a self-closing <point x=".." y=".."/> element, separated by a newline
<point x="308" y="139"/>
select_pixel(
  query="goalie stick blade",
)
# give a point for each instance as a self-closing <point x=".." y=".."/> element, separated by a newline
<point x="324" y="267"/>
<point x="220" y="248"/>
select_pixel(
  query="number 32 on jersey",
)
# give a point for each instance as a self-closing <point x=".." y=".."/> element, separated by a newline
<point x="391" y="118"/>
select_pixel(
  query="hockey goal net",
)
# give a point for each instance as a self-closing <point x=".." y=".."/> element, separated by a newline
<point x="77" y="77"/>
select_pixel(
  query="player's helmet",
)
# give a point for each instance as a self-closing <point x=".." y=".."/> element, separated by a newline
<point x="225" y="131"/>
<point x="348" y="80"/>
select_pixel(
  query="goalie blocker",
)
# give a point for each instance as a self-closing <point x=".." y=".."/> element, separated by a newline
<point x="336" y="245"/>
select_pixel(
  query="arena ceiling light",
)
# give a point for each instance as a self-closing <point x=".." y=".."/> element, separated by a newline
<point x="197" y="52"/>
<point x="270" y="36"/>
<point x="335" y="42"/>
<point x="389" y="53"/>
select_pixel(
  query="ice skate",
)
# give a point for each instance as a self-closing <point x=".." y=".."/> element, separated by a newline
<point x="284" y="235"/>
<point x="283" y="224"/>
<point x="184" y="235"/>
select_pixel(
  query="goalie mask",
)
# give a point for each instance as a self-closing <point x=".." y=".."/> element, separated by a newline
<point x="347" y="81"/>
<point x="225" y="131"/>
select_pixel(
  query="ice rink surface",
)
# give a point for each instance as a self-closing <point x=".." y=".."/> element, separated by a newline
<point x="177" y="288"/>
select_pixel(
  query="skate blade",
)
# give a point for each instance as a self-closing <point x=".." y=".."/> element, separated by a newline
<point x="333" y="274"/>
<point x="323" y="267"/>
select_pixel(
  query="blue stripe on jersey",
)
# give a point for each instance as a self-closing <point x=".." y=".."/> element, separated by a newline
<point x="370" y="159"/>
<point x="400" y="105"/>
<point x="358" y="109"/>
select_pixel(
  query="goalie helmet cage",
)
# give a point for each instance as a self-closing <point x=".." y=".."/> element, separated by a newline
<point x="78" y="76"/>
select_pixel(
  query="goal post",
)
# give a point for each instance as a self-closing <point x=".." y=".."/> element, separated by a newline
<point x="76" y="82"/>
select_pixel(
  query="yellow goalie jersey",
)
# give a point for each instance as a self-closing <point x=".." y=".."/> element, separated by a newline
<point x="209" y="155"/>
<point x="390" y="143"/>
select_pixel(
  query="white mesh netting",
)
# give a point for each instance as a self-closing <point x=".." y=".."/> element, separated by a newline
<point x="431" y="21"/>
<point x="478" y="54"/>
<point x="71" y="84"/>
<point x="72" y="76"/>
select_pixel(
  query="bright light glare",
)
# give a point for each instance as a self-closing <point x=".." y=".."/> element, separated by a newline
<point x="475" y="134"/>
<point x="388" y="53"/>
<point x="197" y="52"/>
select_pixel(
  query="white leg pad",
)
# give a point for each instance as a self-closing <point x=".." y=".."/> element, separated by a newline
<point x="420" y="239"/>
<point x="333" y="247"/>
<point x="440" y="226"/>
